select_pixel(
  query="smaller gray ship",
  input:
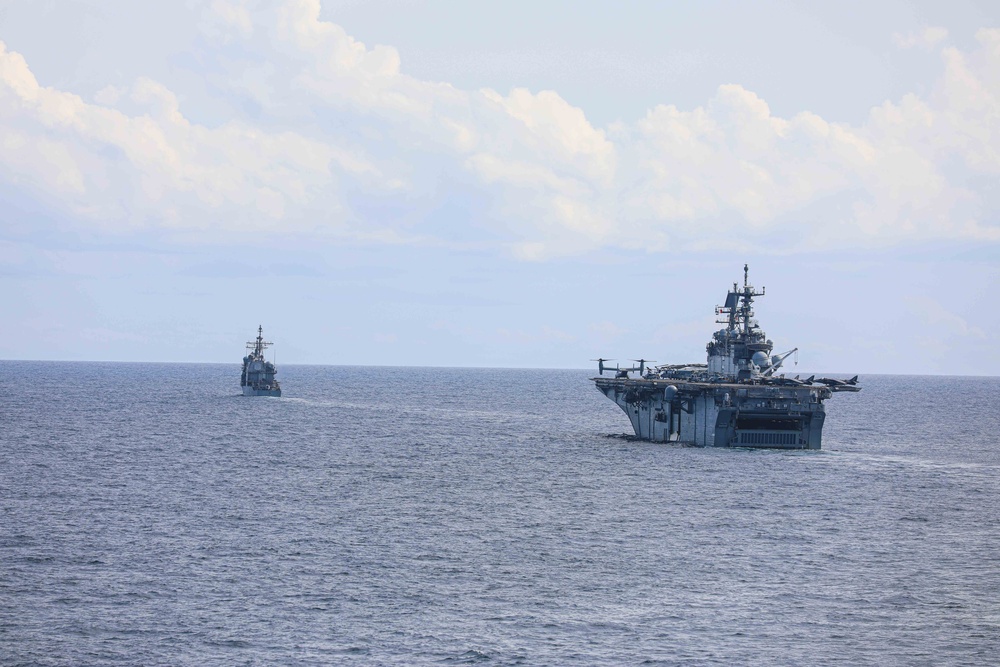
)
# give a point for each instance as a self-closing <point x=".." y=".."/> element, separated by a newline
<point x="735" y="400"/>
<point x="258" y="373"/>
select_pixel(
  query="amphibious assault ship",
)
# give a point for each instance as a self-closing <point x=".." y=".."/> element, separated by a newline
<point x="258" y="373"/>
<point x="735" y="400"/>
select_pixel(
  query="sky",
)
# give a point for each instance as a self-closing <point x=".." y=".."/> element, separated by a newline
<point x="518" y="184"/>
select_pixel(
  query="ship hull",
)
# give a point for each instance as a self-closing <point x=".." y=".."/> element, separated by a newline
<point x="721" y="415"/>
<point x="250" y="391"/>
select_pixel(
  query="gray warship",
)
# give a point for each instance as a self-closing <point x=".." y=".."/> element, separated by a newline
<point x="258" y="373"/>
<point x="735" y="400"/>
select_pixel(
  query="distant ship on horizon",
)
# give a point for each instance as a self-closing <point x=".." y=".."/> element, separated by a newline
<point x="258" y="373"/>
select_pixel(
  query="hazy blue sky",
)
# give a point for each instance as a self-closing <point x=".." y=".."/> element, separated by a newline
<point x="499" y="184"/>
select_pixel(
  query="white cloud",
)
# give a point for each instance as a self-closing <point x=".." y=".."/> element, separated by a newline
<point x="522" y="174"/>
<point x="560" y="128"/>
<point x="222" y="18"/>
<point x="155" y="165"/>
<point x="927" y="38"/>
<point x="729" y="173"/>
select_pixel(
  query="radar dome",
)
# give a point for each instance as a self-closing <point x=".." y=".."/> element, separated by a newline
<point x="761" y="359"/>
<point x="669" y="392"/>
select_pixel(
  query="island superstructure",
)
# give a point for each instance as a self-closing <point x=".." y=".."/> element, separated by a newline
<point x="736" y="399"/>
<point x="258" y="373"/>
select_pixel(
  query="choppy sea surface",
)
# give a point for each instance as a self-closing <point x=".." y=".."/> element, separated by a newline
<point x="151" y="515"/>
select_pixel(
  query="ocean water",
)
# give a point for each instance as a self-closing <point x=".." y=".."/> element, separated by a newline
<point x="150" y="515"/>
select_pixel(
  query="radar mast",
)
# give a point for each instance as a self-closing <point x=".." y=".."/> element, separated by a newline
<point x="258" y="346"/>
<point x="739" y="306"/>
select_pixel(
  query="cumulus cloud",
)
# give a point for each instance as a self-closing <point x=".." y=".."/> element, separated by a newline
<point x="155" y="166"/>
<point x="340" y="129"/>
